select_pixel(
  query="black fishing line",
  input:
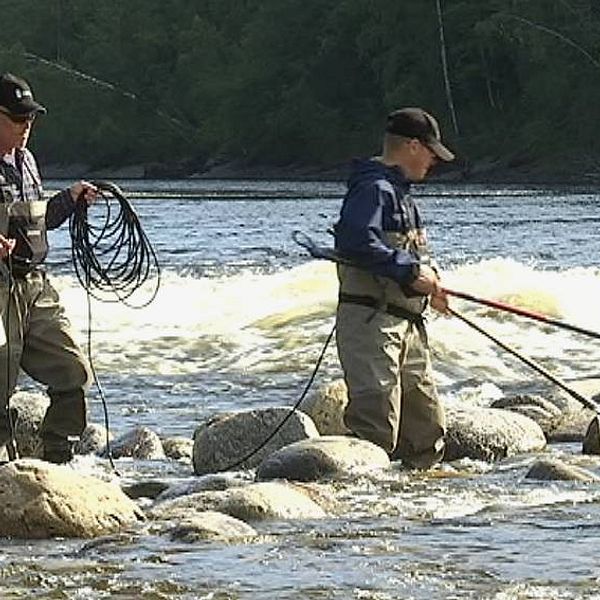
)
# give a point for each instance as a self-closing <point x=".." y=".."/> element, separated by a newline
<point x="112" y="260"/>
<point x="292" y="410"/>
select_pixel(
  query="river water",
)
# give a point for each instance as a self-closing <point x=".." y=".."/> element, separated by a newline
<point x="239" y="321"/>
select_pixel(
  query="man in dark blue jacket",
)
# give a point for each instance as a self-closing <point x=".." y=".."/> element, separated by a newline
<point x="383" y="291"/>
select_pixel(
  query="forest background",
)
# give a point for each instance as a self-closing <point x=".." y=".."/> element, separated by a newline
<point x="299" y="87"/>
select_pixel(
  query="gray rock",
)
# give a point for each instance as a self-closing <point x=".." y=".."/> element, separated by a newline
<point x="92" y="440"/>
<point x="253" y="502"/>
<point x="28" y="410"/>
<point x="42" y="500"/>
<point x="178" y="448"/>
<point x="591" y="440"/>
<point x="224" y="440"/>
<point x="326" y="408"/>
<point x="490" y="434"/>
<point x="210" y="482"/>
<point x="145" y="489"/>
<point x="555" y="470"/>
<point x="326" y="456"/>
<point x="211" y="525"/>
<point x="141" y="443"/>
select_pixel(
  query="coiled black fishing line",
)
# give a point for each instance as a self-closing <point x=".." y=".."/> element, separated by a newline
<point x="115" y="256"/>
<point x="113" y="259"/>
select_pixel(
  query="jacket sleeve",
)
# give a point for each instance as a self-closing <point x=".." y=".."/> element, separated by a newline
<point x="59" y="209"/>
<point x="359" y="236"/>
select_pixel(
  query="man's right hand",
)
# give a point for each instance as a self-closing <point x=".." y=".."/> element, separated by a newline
<point x="427" y="282"/>
<point x="7" y="245"/>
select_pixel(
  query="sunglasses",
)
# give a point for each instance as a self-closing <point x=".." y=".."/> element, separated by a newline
<point x="19" y="118"/>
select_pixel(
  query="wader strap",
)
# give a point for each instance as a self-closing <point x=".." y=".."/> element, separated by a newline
<point x="390" y="309"/>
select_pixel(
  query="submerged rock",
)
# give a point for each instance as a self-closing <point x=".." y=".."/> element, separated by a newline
<point x="226" y="439"/>
<point x="42" y="500"/>
<point x="211" y="525"/>
<point x="555" y="470"/>
<point x="326" y="456"/>
<point x="490" y="434"/>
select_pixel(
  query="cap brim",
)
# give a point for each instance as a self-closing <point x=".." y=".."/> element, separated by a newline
<point x="29" y="107"/>
<point x="441" y="151"/>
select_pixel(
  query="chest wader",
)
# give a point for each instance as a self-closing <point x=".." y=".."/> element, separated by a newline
<point x="383" y="349"/>
<point x="38" y="335"/>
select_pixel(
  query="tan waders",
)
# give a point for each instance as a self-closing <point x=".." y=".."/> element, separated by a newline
<point x="41" y="342"/>
<point x="392" y="400"/>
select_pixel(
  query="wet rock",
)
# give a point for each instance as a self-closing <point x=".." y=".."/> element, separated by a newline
<point x="141" y="443"/>
<point x="42" y="500"/>
<point x="210" y="482"/>
<point x="145" y="489"/>
<point x="555" y="470"/>
<point x="326" y="408"/>
<point x="326" y="456"/>
<point x="270" y="500"/>
<point x="28" y="410"/>
<point x="591" y="440"/>
<point x="178" y="448"/>
<point x="92" y="440"/>
<point x="211" y="525"/>
<point x="253" y="502"/>
<point x="225" y="439"/>
<point x="546" y="414"/>
<point x="490" y="434"/>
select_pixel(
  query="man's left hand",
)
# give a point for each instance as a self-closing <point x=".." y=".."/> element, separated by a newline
<point x="83" y="191"/>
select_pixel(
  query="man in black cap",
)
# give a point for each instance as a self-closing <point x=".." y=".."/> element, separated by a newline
<point x="35" y="335"/>
<point x="383" y="290"/>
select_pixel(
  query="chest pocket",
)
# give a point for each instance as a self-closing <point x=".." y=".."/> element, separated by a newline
<point x="27" y="225"/>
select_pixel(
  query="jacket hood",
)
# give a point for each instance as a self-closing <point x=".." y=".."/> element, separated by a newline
<point x="369" y="170"/>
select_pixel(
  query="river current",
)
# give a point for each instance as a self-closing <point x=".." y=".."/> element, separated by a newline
<point x="239" y="320"/>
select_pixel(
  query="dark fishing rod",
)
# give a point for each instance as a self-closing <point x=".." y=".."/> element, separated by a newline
<point x="522" y="312"/>
<point x="183" y="129"/>
<point x="531" y="363"/>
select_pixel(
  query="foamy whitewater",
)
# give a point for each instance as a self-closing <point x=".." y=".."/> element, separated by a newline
<point x="239" y="321"/>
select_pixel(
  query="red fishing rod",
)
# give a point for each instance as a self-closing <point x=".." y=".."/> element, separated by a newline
<point x="536" y="316"/>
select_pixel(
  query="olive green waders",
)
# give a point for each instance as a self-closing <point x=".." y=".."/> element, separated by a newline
<point x="392" y="400"/>
<point x="41" y="342"/>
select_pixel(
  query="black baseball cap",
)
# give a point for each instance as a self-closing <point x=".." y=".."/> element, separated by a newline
<point x="16" y="96"/>
<point x="416" y="123"/>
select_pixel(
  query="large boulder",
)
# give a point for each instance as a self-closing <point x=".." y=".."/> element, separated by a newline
<point x="226" y="440"/>
<point x="490" y="434"/>
<point x="42" y="500"/>
<point x="326" y="456"/>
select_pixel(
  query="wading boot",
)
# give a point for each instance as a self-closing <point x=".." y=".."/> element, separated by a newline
<point x="56" y="449"/>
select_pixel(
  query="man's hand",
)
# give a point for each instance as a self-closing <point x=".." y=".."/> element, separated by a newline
<point x="439" y="302"/>
<point x="427" y="282"/>
<point x="7" y="245"/>
<point x="83" y="191"/>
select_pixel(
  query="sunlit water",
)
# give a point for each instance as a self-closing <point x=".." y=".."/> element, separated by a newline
<point x="239" y="321"/>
